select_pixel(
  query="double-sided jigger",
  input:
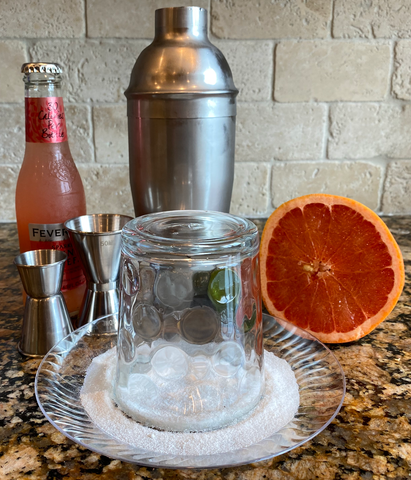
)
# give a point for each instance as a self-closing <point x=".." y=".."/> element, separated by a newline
<point x="97" y="240"/>
<point x="46" y="320"/>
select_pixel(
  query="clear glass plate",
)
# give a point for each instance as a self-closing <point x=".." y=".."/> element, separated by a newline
<point x="319" y="375"/>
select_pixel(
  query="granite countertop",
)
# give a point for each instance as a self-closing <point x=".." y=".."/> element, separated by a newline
<point x="369" y="439"/>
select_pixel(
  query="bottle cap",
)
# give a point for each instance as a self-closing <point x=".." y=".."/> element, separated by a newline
<point x="41" y="67"/>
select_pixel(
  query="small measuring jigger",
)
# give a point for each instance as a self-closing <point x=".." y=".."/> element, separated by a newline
<point x="46" y="320"/>
<point x="97" y="240"/>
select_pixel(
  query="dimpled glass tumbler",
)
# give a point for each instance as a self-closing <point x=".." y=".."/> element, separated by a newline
<point x="189" y="352"/>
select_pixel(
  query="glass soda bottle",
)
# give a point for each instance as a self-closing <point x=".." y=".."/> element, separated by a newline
<point x="49" y="188"/>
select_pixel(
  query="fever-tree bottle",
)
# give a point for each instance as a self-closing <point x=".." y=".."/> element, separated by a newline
<point x="49" y="188"/>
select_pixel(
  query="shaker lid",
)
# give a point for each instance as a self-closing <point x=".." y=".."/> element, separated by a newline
<point x="181" y="59"/>
<point x="41" y="67"/>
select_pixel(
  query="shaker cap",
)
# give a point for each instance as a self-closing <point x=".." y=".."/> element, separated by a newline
<point x="41" y="67"/>
<point x="181" y="59"/>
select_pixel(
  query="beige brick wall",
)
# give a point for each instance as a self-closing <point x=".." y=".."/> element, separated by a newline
<point x="324" y="104"/>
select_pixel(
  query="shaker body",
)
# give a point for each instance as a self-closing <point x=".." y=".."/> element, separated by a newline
<point x="181" y="107"/>
<point x="181" y="164"/>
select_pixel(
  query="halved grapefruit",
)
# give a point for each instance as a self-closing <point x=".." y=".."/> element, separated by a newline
<point x="330" y="266"/>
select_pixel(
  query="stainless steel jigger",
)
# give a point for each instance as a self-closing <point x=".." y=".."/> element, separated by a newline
<point x="46" y="320"/>
<point x="97" y="240"/>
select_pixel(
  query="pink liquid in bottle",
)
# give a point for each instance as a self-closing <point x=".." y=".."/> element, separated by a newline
<point x="49" y="188"/>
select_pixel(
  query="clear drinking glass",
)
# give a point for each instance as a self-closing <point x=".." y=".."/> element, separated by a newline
<point x="190" y="354"/>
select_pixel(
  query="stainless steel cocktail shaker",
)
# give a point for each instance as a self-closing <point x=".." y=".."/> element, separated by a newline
<point x="181" y="106"/>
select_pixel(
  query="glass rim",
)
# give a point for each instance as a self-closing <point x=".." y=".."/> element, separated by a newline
<point x="188" y="232"/>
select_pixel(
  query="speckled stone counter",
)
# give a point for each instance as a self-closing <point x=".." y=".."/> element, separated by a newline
<point x="369" y="439"/>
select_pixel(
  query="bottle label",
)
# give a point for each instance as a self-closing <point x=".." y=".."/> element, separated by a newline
<point x="54" y="232"/>
<point x="55" y="237"/>
<point x="45" y="120"/>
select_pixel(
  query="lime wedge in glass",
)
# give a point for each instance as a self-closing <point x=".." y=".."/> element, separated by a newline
<point x="224" y="288"/>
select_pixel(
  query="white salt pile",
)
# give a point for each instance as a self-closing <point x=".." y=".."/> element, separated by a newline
<point x="275" y="410"/>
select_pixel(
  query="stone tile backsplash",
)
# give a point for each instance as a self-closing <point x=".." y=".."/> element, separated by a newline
<point x="324" y="103"/>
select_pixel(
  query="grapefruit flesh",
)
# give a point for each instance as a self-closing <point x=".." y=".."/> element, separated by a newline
<point x="330" y="266"/>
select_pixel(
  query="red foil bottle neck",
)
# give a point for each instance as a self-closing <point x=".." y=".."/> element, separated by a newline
<point x="45" y="120"/>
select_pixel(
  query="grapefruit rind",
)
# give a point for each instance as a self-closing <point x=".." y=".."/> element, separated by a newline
<point x="394" y="251"/>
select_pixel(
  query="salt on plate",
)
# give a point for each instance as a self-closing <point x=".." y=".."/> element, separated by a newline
<point x="278" y="407"/>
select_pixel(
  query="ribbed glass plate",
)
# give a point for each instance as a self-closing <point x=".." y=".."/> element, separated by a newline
<point x="319" y="375"/>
